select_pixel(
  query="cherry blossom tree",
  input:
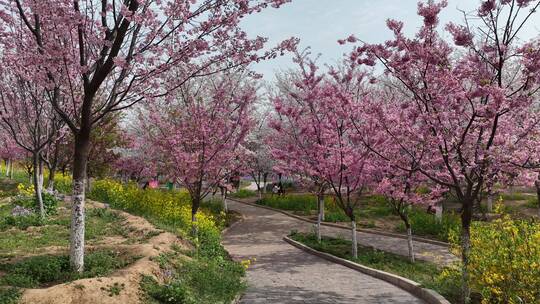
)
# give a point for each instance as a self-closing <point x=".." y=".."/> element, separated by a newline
<point x="28" y="118"/>
<point x="319" y="137"/>
<point x="260" y="162"/>
<point x="9" y="152"/>
<point x="467" y="111"/>
<point x="196" y="137"/>
<point x="107" y="55"/>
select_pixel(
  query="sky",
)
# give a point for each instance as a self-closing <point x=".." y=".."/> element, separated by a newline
<point x="320" y="23"/>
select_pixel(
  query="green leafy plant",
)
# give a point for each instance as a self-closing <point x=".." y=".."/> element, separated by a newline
<point x="9" y="295"/>
<point x="115" y="289"/>
<point x="39" y="270"/>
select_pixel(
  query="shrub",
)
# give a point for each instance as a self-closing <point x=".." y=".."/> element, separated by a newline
<point x="28" y="199"/>
<point x="173" y="293"/>
<point x="426" y="224"/>
<point x="50" y="203"/>
<point x="505" y="260"/>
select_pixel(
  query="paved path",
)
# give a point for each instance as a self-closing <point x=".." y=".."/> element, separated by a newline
<point x="285" y="274"/>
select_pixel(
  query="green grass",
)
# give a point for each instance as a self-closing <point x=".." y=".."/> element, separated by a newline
<point x="7" y="187"/>
<point x="425" y="273"/>
<point x="199" y="280"/>
<point x="45" y="270"/>
<point x="426" y="224"/>
<point x="532" y="202"/>
<point x="243" y="193"/>
<point x="301" y="203"/>
<point x="9" y="295"/>
<point x="514" y="196"/>
<point x="30" y="234"/>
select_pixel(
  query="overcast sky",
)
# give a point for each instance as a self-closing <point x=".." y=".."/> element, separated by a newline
<point x="320" y="23"/>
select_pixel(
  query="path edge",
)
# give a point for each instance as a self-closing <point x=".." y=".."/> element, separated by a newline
<point x="239" y="296"/>
<point x="377" y="232"/>
<point x="428" y="295"/>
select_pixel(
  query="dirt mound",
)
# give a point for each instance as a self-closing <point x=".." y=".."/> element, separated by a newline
<point x="122" y="286"/>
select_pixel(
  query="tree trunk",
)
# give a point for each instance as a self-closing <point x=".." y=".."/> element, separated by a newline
<point x="265" y="177"/>
<point x="354" y="239"/>
<point x="195" y="203"/>
<point x="466" y="218"/>
<point x="37" y="184"/>
<point x="322" y="207"/>
<point x="224" y="200"/>
<point x="490" y="202"/>
<point x="410" y="241"/>
<point x="320" y="213"/>
<point x="537" y="185"/>
<point x="10" y="169"/>
<point x="80" y="161"/>
<point x="50" y="181"/>
<point x="8" y="164"/>
<point x="439" y="211"/>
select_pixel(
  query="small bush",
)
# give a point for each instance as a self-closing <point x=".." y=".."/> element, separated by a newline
<point x="28" y="199"/>
<point x="172" y="293"/>
<point x="50" y="203"/>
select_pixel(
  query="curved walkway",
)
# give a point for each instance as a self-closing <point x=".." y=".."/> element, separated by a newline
<point x="282" y="273"/>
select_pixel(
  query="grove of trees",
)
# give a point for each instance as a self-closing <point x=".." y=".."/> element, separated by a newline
<point x="148" y="88"/>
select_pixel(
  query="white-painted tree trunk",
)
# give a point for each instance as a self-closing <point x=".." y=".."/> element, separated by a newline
<point x="319" y="220"/>
<point x="77" y="226"/>
<point x="490" y="203"/>
<point x="354" y="240"/>
<point x="194" y="227"/>
<point x="439" y="211"/>
<point x="410" y="244"/>
<point x="321" y="202"/>
<point x="38" y="183"/>
<point x="224" y="201"/>
<point x="10" y="169"/>
<point x="8" y="163"/>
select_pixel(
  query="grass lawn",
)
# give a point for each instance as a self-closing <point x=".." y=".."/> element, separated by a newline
<point x="373" y="212"/>
<point x="425" y="273"/>
<point x="47" y="270"/>
<point x="30" y="235"/>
